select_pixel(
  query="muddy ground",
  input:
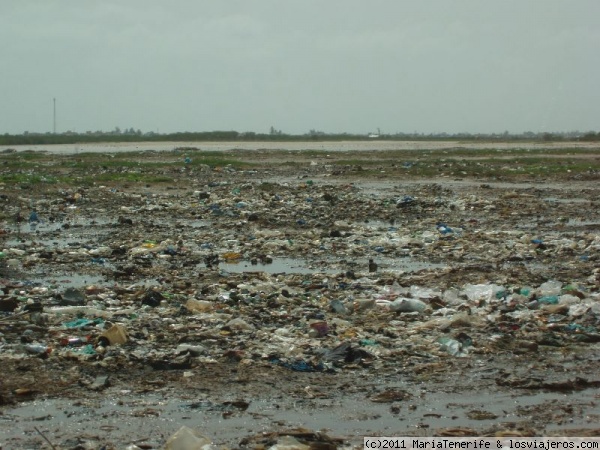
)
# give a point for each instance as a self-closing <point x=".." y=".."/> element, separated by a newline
<point x="243" y="286"/>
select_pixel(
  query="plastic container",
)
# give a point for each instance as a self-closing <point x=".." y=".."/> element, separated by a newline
<point x="548" y="300"/>
<point x="407" y="305"/>
<point x="452" y="347"/>
<point x="551" y="287"/>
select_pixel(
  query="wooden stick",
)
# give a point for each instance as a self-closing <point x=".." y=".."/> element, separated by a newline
<point x="45" y="438"/>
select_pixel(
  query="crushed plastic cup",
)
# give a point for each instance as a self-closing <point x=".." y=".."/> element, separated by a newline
<point x="200" y="306"/>
<point x="363" y="304"/>
<point x="188" y="439"/>
<point x="477" y="292"/>
<point x="289" y="443"/>
<point x="115" y="335"/>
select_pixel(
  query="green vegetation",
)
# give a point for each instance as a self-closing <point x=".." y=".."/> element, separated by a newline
<point x="37" y="168"/>
<point x="32" y="168"/>
<point x="216" y="161"/>
<point x="474" y="163"/>
<point x="25" y="178"/>
<point x="127" y="178"/>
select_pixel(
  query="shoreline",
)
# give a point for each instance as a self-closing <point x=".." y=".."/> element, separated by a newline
<point x="334" y="146"/>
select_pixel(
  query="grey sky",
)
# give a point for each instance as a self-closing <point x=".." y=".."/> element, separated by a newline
<point x="334" y="65"/>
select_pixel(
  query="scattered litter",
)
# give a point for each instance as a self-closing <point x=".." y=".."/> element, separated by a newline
<point x="211" y="277"/>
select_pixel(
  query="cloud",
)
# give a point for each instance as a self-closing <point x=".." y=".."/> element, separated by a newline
<point x="336" y="66"/>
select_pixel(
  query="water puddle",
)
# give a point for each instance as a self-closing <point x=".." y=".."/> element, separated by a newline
<point x="279" y="265"/>
<point x="151" y="418"/>
<point x="183" y="223"/>
<point x="566" y="200"/>
<point x="197" y="223"/>
<point x="49" y="242"/>
<point x="45" y="226"/>
<point x="56" y="234"/>
<point x="409" y="265"/>
<point x="329" y="266"/>
<point x="389" y="264"/>
<point x="583" y="223"/>
<point x="75" y="280"/>
<point x="379" y="225"/>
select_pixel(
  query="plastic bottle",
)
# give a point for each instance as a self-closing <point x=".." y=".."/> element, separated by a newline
<point x="338" y="307"/>
<point x="37" y="349"/>
<point x="73" y="342"/>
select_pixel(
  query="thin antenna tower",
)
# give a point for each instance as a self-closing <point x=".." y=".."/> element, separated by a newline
<point x="54" y="115"/>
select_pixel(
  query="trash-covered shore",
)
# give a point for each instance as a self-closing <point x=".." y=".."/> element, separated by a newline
<point x="298" y="308"/>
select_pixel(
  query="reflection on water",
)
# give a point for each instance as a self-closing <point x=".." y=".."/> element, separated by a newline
<point x="300" y="266"/>
<point x="344" y="146"/>
<point x="279" y="265"/>
<point x="156" y="416"/>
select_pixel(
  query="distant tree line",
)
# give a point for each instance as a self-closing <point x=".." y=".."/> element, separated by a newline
<point x="131" y="135"/>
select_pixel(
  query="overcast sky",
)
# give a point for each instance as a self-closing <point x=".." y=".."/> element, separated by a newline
<point x="329" y="65"/>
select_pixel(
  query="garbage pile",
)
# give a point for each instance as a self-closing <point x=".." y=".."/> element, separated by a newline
<point x="297" y="275"/>
<point x="163" y="274"/>
<point x="286" y="321"/>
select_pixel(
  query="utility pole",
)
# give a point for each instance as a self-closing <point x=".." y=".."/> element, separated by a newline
<point x="54" y="115"/>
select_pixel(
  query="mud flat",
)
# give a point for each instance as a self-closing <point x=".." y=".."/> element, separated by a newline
<point x="327" y="295"/>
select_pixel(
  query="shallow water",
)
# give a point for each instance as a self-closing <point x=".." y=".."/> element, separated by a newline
<point x="293" y="146"/>
<point x="74" y="280"/>
<point x="130" y="417"/>
<point x="300" y="266"/>
<point x="279" y="265"/>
